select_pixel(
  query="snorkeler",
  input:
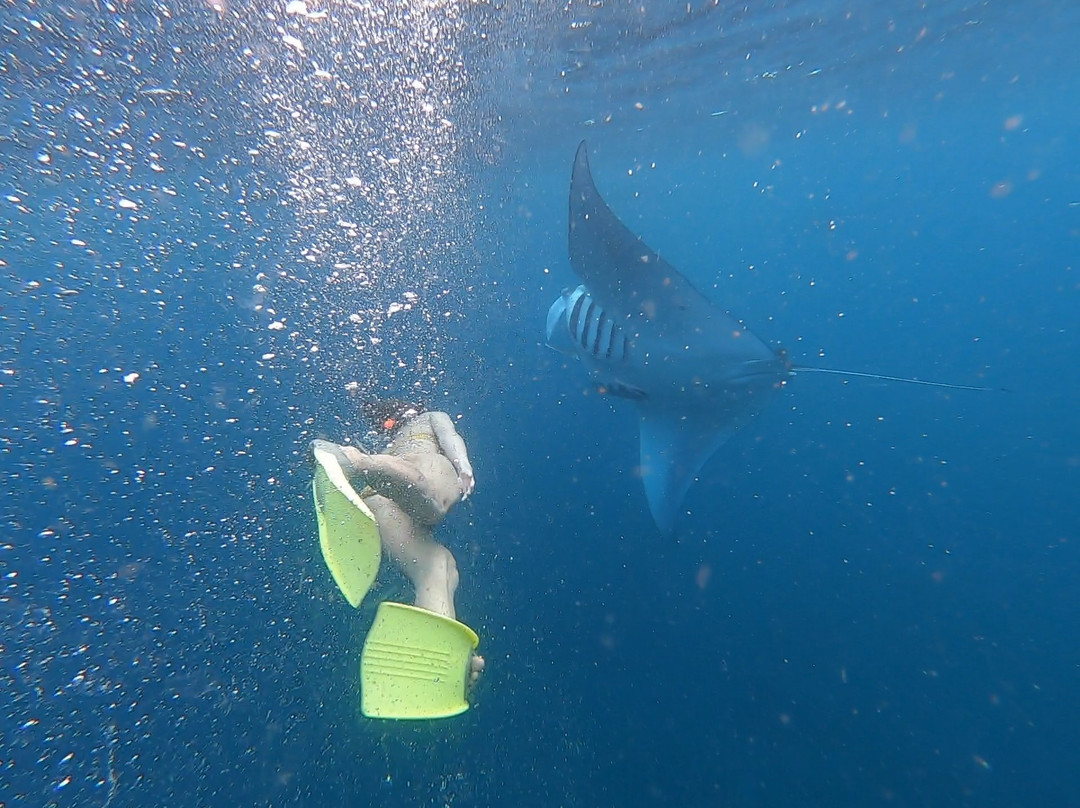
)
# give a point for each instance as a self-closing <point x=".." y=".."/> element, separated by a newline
<point x="394" y="500"/>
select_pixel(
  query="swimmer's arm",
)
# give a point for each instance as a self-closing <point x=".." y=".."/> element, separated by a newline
<point x="454" y="448"/>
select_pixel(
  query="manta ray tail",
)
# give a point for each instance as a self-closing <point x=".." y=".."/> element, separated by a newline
<point x="883" y="377"/>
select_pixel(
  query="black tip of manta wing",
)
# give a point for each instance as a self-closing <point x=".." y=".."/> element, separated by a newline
<point x="581" y="156"/>
<point x="581" y="179"/>
<point x="583" y="194"/>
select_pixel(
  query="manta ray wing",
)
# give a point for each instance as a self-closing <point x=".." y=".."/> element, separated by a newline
<point x="673" y="451"/>
<point x="693" y="371"/>
<point x="631" y="279"/>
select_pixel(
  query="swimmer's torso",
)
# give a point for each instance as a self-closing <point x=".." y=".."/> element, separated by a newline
<point x="416" y="436"/>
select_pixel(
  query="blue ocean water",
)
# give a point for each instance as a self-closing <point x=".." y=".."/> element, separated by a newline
<point x="225" y="223"/>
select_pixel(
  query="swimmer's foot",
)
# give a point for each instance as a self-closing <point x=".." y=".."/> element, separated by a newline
<point x="351" y="459"/>
<point x="394" y="479"/>
<point x="476" y="667"/>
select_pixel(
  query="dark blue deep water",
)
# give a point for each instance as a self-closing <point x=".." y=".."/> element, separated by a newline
<point x="224" y="224"/>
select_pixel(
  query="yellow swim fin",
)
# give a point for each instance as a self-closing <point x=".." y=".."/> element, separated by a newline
<point x="415" y="664"/>
<point x="348" y="533"/>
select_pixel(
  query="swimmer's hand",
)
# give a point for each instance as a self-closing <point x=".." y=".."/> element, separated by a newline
<point x="466" y="484"/>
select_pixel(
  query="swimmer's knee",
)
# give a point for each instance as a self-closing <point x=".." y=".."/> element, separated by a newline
<point x="438" y="506"/>
<point x="442" y="506"/>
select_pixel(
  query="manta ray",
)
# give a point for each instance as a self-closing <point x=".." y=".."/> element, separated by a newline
<point x="694" y="372"/>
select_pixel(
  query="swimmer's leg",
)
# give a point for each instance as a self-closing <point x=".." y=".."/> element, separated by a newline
<point x="425" y="497"/>
<point x="429" y="566"/>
